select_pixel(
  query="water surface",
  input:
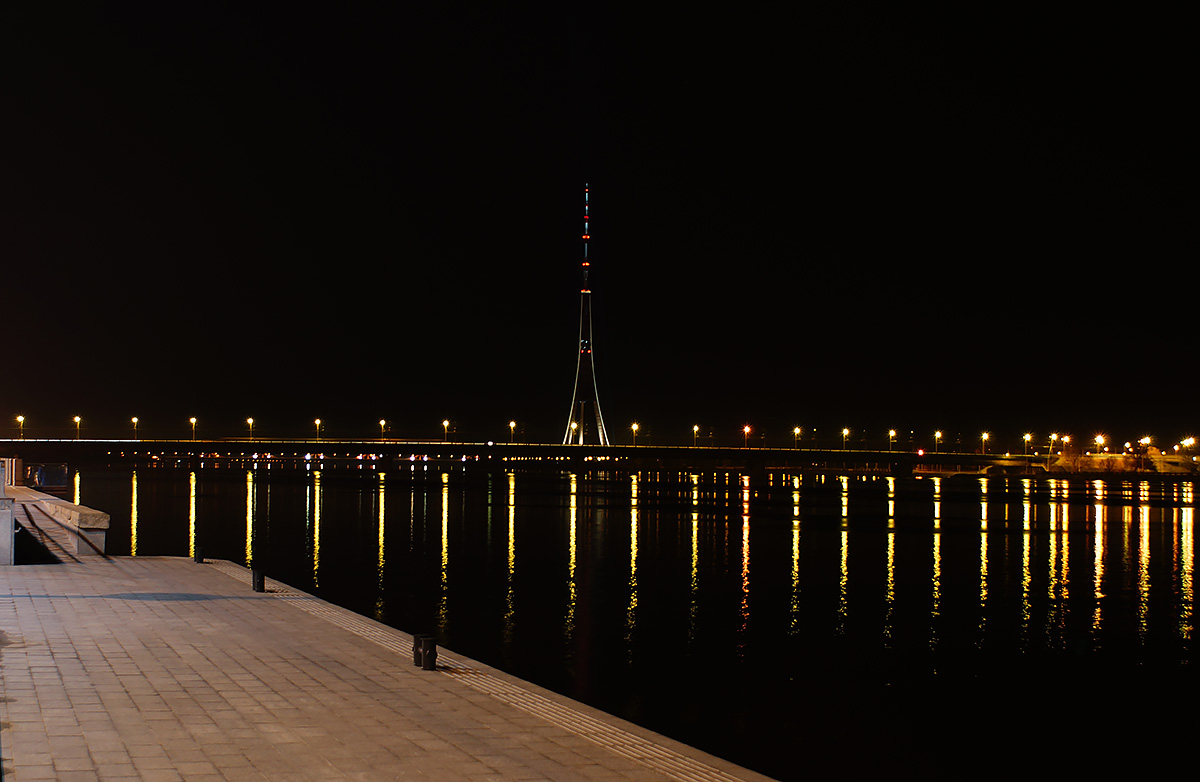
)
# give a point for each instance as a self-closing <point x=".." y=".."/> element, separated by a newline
<point x="802" y="626"/>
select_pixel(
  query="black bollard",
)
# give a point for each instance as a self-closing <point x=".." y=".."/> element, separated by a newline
<point x="198" y="557"/>
<point x="428" y="653"/>
<point x="419" y="646"/>
<point x="257" y="581"/>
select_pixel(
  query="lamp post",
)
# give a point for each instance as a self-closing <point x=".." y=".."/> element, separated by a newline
<point x="1027" y="438"/>
<point x="512" y="432"/>
<point x="192" y="421"/>
<point x="983" y="438"/>
<point x="845" y="434"/>
<point x="746" y="436"/>
<point x="891" y="439"/>
<point x="77" y="420"/>
<point x="250" y="423"/>
<point x="134" y="421"/>
<point x="382" y="427"/>
<point x="796" y="437"/>
<point x="695" y="433"/>
<point x="445" y="430"/>
<point x="21" y="425"/>
<point x="574" y="428"/>
<point x="317" y="425"/>
<point x="634" y="427"/>
<point x="1099" y="443"/>
<point x="937" y="438"/>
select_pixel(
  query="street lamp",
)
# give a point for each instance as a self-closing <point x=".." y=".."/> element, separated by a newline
<point x="695" y="433"/>
<point x="937" y="438"/>
<point x="574" y="426"/>
<point x="845" y="434"/>
<point x="983" y="438"/>
<point x="317" y="424"/>
<point x="634" y="427"/>
<point x="21" y="424"/>
<point x="1099" y="442"/>
<point x="192" y="421"/>
<point x="512" y="431"/>
<point x="746" y="436"/>
<point x="250" y="423"/>
<point x="382" y="427"/>
<point x="77" y="420"/>
<point x="796" y="437"/>
<point x="891" y="438"/>
<point x="445" y="430"/>
<point x="1027" y="438"/>
<point x="134" y="422"/>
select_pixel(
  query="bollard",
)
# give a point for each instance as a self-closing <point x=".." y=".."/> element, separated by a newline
<point x="428" y="653"/>
<point x="198" y="557"/>
<point x="417" y="648"/>
<point x="257" y="582"/>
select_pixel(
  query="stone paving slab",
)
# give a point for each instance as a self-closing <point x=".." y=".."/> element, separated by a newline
<point x="157" y="668"/>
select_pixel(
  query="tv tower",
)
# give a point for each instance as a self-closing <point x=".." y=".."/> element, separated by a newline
<point x="585" y="400"/>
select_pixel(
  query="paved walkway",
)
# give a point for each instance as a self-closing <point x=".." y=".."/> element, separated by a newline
<point x="162" y="669"/>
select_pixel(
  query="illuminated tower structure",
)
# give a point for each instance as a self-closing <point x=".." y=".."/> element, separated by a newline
<point x="585" y="400"/>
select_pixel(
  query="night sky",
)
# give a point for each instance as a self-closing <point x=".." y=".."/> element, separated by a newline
<point x="850" y="215"/>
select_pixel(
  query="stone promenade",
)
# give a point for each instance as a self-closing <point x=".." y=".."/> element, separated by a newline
<point x="163" y="669"/>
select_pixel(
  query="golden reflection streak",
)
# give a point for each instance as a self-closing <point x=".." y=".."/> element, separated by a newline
<point x="936" y="608"/>
<point x="795" y="624"/>
<point x="1054" y="581"/>
<point x="631" y="611"/>
<point x="745" y="608"/>
<point x="509" y="599"/>
<point x="845" y="481"/>
<point x="1098" y="553"/>
<point x="890" y="595"/>
<point x="316" y="526"/>
<point x="443" y="601"/>
<point x="891" y="502"/>
<point x="983" y="508"/>
<point x="1026" y="577"/>
<point x="1187" y="571"/>
<point x="133" y="513"/>
<point x="192" y="513"/>
<point x="694" y="608"/>
<point x="983" y="573"/>
<point x="250" y="518"/>
<point x="1143" y="566"/>
<point x="843" y="580"/>
<point x="937" y="503"/>
<point x="569" y="621"/>
<point x="380" y="566"/>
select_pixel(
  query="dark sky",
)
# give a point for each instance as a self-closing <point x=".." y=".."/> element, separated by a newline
<point x="854" y="215"/>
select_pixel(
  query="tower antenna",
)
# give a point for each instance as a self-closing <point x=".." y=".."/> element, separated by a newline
<point x="585" y="399"/>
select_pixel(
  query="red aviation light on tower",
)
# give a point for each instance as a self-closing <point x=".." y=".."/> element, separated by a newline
<point x="585" y="421"/>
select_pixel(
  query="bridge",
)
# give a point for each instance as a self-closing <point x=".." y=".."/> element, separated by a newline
<point x="391" y="453"/>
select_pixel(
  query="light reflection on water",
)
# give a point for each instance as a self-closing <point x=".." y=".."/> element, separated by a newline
<point x="878" y="578"/>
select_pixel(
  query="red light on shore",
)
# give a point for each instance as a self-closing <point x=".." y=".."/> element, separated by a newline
<point x="586" y="236"/>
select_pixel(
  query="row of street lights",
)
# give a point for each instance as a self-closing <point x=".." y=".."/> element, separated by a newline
<point x="984" y="438"/>
<point x="317" y="423"/>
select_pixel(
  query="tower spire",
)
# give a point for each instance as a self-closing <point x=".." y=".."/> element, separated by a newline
<point x="585" y="400"/>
